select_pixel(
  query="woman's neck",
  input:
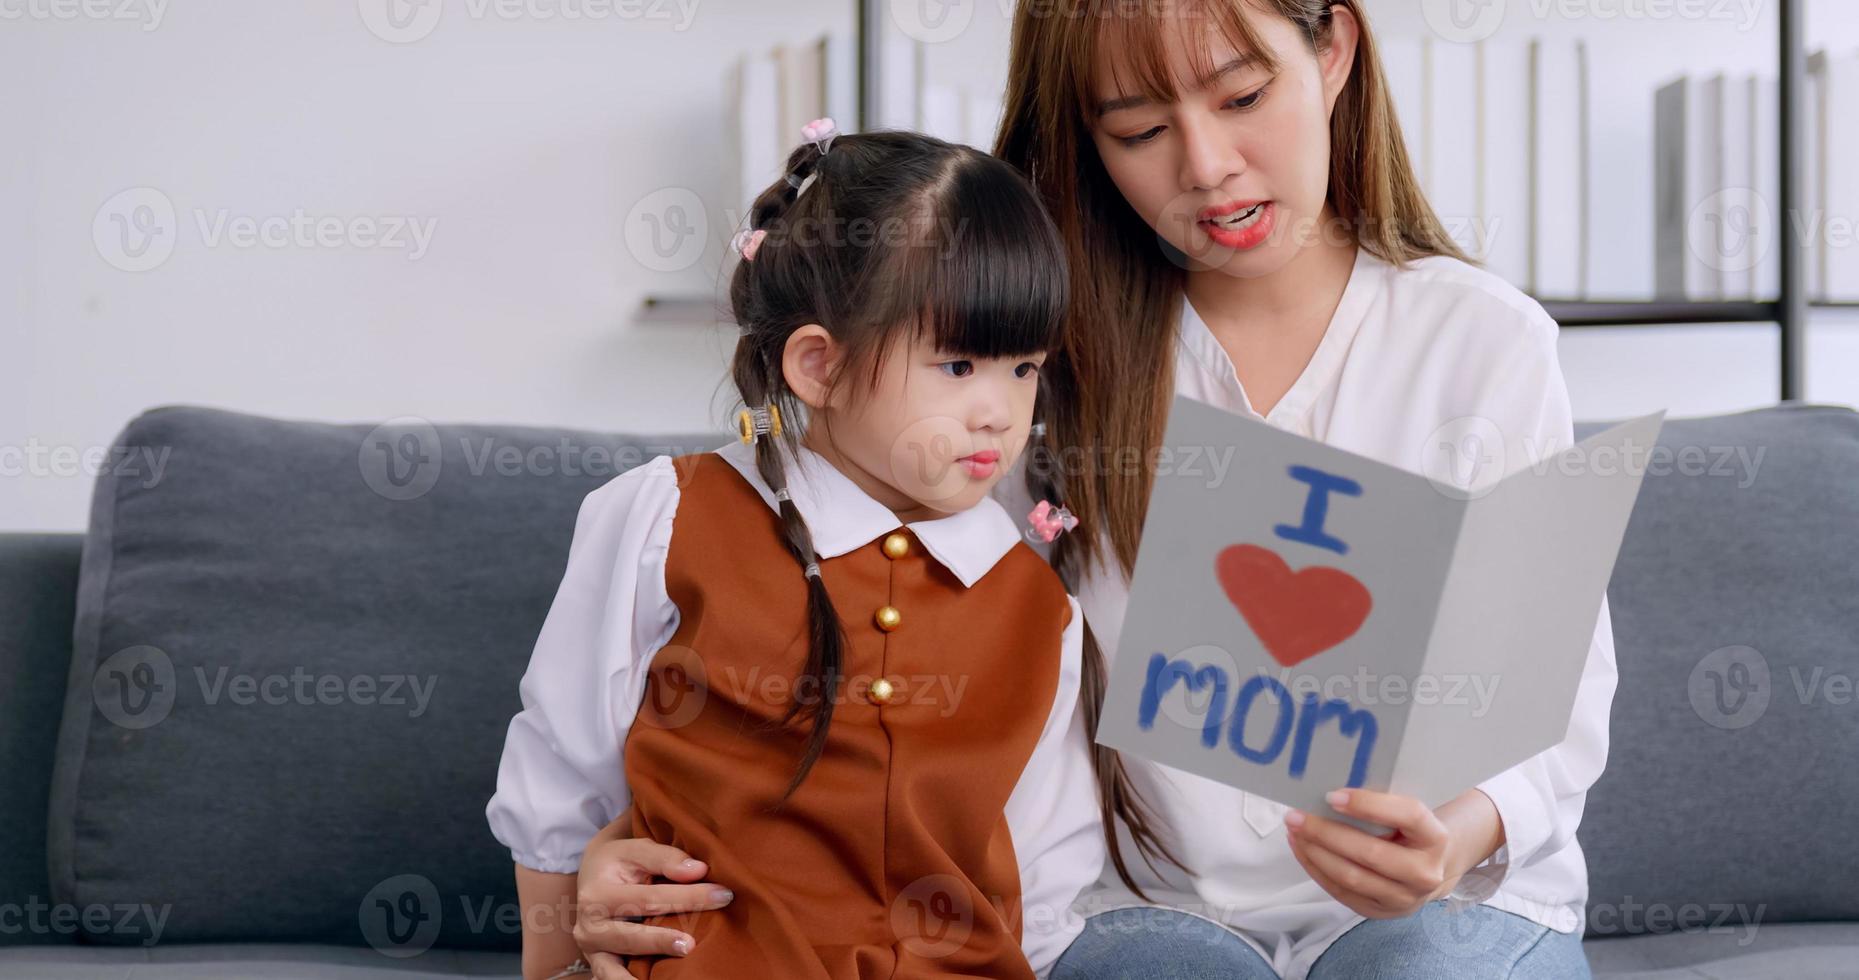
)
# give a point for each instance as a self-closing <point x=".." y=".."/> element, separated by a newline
<point x="1292" y="301"/>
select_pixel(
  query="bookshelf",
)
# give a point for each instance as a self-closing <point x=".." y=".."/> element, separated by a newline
<point x="1789" y="311"/>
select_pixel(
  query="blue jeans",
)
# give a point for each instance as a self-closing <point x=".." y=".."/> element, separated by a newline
<point x="1480" y="943"/>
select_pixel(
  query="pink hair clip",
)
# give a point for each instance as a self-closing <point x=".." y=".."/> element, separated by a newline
<point x="1049" y="522"/>
<point x="748" y="242"/>
<point x="820" y="133"/>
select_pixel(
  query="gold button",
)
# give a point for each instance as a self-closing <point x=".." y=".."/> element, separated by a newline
<point x="881" y="691"/>
<point x="896" y="546"/>
<point x="889" y="618"/>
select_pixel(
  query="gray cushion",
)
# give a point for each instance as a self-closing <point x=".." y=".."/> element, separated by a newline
<point x="242" y="746"/>
<point x="1779" y="951"/>
<point x="38" y="587"/>
<point x="1746" y="577"/>
<point x="241" y="961"/>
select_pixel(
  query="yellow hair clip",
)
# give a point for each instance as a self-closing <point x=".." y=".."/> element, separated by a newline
<point x="756" y="422"/>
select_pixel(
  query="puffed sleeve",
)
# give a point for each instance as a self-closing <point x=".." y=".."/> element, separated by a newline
<point x="1053" y="814"/>
<point x="1540" y="800"/>
<point x="561" y="776"/>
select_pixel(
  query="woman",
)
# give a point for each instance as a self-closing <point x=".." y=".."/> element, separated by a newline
<point x="1245" y="228"/>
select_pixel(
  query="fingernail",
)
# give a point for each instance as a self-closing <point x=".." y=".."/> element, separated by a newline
<point x="682" y="944"/>
<point x="722" y="896"/>
<point x="1337" y="798"/>
<point x="690" y="864"/>
<point x="1294" y="818"/>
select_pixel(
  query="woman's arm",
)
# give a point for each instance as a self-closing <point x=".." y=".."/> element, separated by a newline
<point x="548" y="922"/>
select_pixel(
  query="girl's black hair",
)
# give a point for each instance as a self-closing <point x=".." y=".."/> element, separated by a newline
<point x="898" y="234"/>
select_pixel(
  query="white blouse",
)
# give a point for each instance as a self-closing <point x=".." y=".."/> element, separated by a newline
<point x="562" y="776"/>
<point x="1412" y="357"/>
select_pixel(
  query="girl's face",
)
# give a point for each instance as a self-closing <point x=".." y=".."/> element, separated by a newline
<point x="1235" y="172"/>
<point x="935" y="433"/>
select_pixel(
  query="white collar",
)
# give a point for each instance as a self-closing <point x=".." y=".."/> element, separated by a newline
<point x="1325" y="364"/>
<point x="842" y="517"/>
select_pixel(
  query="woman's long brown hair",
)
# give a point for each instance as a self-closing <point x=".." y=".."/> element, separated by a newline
<point x="1116" y="369"/>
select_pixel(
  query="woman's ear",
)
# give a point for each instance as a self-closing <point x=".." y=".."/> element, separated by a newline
<point x="1337" y="61"/>
<point x="808" y="362"/>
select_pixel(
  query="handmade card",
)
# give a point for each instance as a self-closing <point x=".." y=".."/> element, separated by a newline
<point x="1306" y="619"/>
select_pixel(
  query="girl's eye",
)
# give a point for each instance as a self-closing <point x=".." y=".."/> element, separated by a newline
<point x="957" y="369"/>
<point x="1026" y="369"/>
<point x="1142" y="137"/>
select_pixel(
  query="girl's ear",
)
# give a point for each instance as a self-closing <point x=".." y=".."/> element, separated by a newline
<point x="1338" y="60"/>
<point x="808" y="362"/>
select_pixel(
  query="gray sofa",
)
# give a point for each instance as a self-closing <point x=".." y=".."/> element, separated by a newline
<point x="250" y="719"/>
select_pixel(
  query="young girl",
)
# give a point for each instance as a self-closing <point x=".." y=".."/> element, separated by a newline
<point x="823" y="656"/>
<point x="1244" y="227"/>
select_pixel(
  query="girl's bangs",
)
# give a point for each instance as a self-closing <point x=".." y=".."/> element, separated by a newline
<point x="1144" y="35"/>
<point x="993" y="282"/>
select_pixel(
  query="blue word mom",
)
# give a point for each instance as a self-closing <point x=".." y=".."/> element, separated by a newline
<point x="1305" y="716"/>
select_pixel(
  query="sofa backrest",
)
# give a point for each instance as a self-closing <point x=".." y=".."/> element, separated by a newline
<point x="297" y="649"/>
<point x="1731" y="773"/>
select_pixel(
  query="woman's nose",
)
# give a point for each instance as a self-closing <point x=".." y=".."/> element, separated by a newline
<point x="1210" y="155"/>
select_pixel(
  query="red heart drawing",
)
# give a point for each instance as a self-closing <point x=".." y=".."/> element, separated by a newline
<point x="1297" y="615"/>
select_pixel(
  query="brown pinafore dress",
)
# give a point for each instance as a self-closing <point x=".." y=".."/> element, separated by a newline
<point x="893" y="859"/>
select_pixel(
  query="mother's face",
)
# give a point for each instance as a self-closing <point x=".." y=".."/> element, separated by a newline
<point x="1234" y="172"/>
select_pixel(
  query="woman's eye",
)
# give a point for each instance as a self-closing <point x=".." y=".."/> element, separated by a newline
<point x="1247" y="101"/>
<point x="957" y="369"/>
<point x="1142" y="137"/>
<point x="1026" y="370"/>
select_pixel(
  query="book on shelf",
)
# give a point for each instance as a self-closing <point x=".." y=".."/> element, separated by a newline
<point x="1452" y="132"/>
<point x="759" y="152"/>
<point x="1686" y="172"/>
<point x="1504" y="114"/>
<point x="1559" y="158"/>
<point x="1732" y="209"/>
<point x="1834" y="222"/>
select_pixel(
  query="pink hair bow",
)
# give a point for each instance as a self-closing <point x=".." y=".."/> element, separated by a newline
<point x="748" y="242"/>
<point x="820" y="132"/>
<point x="1049" y="522"/>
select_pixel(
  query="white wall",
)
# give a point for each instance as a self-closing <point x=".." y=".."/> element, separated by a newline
<point x="532" y="146"/>
<point x="522" y="142"/>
